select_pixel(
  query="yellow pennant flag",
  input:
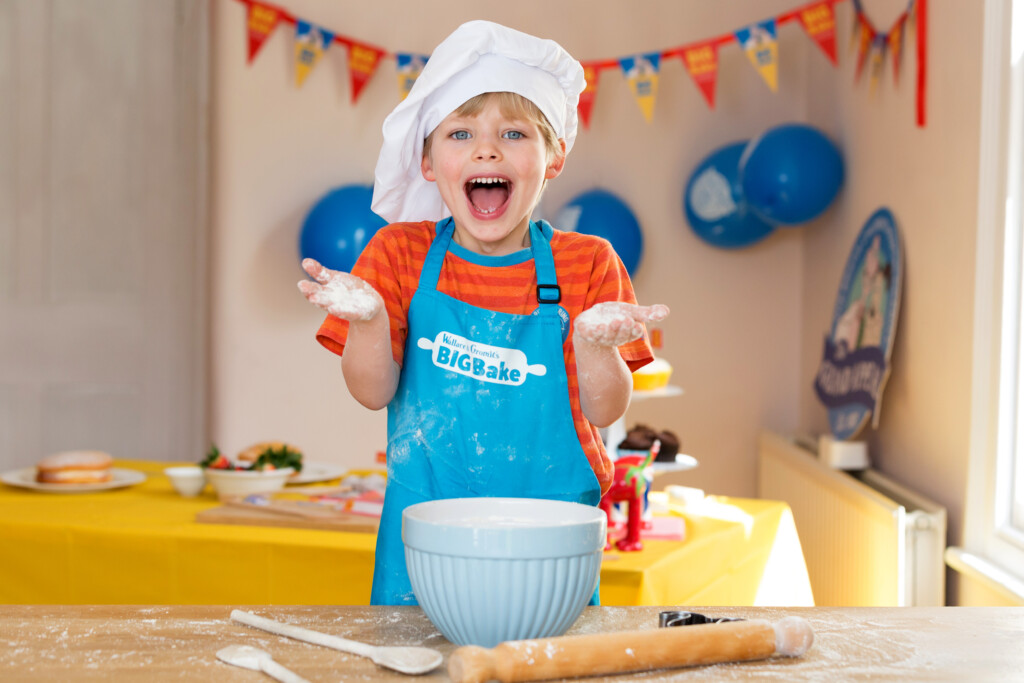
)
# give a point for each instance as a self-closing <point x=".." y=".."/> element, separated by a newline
<point x="642" y="74"/>
<point x="878" y="44"/>
<point x="409" y="67"/>
<point x="310" y="44"/>
<point x="762" y="48"/>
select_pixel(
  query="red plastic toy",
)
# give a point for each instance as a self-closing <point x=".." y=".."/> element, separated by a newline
<point x="628" y="487"/>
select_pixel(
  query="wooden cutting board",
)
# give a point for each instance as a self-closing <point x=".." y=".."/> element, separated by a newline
<point x="252" y="516"/>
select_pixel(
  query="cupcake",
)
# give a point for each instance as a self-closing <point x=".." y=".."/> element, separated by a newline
<point x="654" y="375"/>
<point x="640" y="438"/>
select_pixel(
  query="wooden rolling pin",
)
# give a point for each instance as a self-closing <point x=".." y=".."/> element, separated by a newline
<point x="642" y="650"/>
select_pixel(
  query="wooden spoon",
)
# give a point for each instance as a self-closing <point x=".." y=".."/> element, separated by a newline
<point x="249" y="657"/>
<point x="406" y="660"/>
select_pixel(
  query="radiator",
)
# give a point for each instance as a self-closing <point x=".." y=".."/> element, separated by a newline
<point x="867" y="540"/>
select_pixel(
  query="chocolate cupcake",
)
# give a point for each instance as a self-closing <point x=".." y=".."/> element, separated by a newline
<point x="641" y="438"/>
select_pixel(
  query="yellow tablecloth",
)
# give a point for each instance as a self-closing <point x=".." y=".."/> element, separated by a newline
<point x="141" y="545"/>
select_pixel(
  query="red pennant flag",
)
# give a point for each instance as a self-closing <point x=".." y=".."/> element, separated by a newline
<point x="921" y="9"/>
<point x="858" y="19"/>
<point x="867" y="37"/>
<point x="702" y="63"/>
<point x="819" y="21"/>
<point x="262" y="21"/>
<point x="591" y="74"/>
<point x="896" y="45"/>
<point x="362" y="62"/>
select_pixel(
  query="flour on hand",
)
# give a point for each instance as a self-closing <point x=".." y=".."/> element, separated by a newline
<point x="341" y="294"/>
<point x="614" y="323"/>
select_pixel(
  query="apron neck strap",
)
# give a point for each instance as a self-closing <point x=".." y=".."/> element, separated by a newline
<point x="445" y="230"/>
<point x="548" y="291"/>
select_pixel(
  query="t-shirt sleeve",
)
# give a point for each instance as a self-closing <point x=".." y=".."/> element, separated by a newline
<point x="379" y="264"/>
<point x="610" y="282"/>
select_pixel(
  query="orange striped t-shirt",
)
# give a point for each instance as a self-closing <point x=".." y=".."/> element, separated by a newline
<point x="589" y="272"/>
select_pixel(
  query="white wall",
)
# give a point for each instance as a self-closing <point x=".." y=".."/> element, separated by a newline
<point x="734" y="335"/>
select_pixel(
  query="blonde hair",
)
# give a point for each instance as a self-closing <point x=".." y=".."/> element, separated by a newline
<point x="513" y="106"/>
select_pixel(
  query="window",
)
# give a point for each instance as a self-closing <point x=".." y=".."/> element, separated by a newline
<point x="994" y="531"/>
<point x="1008" y="493"/>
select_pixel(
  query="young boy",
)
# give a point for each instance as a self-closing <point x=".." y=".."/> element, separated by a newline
<point x="461" y="324"/>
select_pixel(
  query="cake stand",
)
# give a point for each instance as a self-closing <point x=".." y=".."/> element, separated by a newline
<point x="616" y="432"/>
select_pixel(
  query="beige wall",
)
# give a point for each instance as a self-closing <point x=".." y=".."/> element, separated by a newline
<point x="929" y="179"/>
<point x="733" y="335"/>
<point x="746" y="329"/>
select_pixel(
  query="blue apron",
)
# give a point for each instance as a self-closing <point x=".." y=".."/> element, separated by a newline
<point x="482" y="407"/>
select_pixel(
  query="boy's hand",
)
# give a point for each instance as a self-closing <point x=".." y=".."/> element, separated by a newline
<point x="614" y="323"/>
<point x="341" y="294"/>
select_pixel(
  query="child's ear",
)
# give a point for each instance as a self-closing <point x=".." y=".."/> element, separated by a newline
<point x="427" y="169"/>
<point x="556" y="165"/>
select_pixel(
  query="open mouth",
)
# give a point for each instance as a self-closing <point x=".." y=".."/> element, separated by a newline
<point x="488" y="194"/>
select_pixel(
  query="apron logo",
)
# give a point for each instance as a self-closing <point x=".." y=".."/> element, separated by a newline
<point x="563" y="319"/>
<point x="480" y="361"/>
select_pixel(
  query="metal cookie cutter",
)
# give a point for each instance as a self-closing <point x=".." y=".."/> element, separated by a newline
<point x="679" y="618"/>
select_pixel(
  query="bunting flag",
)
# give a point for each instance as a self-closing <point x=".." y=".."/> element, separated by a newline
<point x="701" y="58"/>
<point x="262" y="21"/>
<point x="310" y="44"/>
<point x="759" y="42"/>
<point x="920" y="9"/>
<point x="642" y="74"/>
<point x="702" y="63"/>
<point x="819" y="21"/>
<point x="590" y="73"/>
<point x="866" y="39"/>
<point x="858" y="19"/>
<point x="879" y="44"/>
<point x="409" y="67"/>
<point x="878" y="50"/>
<point x="896" y="46"/>
<point x="362" y="62"/>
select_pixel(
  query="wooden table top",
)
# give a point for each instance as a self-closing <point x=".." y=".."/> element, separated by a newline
<point x="157" y="643"/>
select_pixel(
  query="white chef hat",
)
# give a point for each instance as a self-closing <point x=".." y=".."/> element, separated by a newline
<point x="478" y="57"/>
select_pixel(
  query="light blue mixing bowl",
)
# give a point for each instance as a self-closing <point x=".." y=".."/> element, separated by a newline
<point x="487" y="570"/>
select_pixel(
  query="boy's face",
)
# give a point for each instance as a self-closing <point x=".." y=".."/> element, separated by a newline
<point x="490" y="170"/>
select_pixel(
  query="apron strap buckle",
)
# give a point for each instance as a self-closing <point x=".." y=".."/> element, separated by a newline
<point x="543" y="297"/>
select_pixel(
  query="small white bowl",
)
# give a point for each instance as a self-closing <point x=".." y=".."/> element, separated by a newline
<point x="244" y="482"/>
<point x="189" y="480"/>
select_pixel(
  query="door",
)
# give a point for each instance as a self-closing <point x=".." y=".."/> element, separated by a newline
<point x="102" y="228"/>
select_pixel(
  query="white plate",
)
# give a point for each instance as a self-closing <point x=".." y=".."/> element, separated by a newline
<point x="317" y="471"/>
<point x="26" y="479"/>
<point x="682" y="464"/>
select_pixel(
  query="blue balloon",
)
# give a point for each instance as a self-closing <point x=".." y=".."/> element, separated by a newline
<point x="714" y="203"/>
<point x="791" y="174"/>
<point x="338" y="227"/>
<point x="600" y="213"/>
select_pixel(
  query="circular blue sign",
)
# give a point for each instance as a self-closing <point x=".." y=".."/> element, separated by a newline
<point x="855" y="363"/>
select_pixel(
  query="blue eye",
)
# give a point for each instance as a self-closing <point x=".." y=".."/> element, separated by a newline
<point x="461" y="135"/>
<point x="513" y="135"/>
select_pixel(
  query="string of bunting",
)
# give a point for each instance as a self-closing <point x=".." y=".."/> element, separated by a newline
<point x="758" y="40"/>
